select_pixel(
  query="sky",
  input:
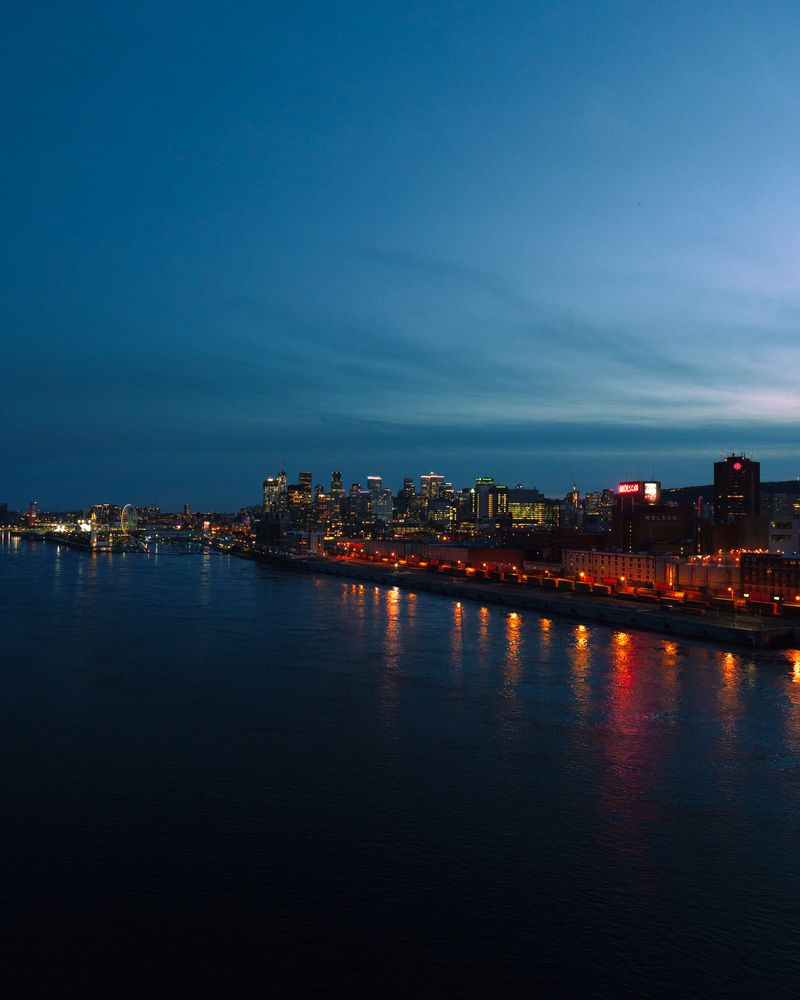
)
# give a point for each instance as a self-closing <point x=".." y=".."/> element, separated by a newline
<point x="547" y="242"/>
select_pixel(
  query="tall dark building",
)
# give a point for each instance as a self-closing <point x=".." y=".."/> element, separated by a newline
<point x="658" y="528"/>
<point x="304" y="482"/>
<point x="737" y="489"/>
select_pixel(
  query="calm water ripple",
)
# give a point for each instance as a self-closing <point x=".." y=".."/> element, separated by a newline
<point x="221" y="779"/>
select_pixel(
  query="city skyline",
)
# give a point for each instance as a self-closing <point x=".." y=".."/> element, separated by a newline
<point x="394" y="485"/>
<point x="536" y="236"/>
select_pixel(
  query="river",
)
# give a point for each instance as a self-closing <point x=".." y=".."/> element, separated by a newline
<point x="221" y="778"/>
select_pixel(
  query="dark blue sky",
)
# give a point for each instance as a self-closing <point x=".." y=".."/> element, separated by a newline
<point x="543" y="242"/>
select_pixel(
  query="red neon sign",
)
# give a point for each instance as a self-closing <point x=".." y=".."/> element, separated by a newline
<point x="629" y="487"/>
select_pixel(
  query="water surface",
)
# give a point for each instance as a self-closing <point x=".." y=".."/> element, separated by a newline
<point x="224" y="779"/>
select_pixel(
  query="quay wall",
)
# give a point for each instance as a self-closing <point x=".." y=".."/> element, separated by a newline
<point x="604" y="611"/>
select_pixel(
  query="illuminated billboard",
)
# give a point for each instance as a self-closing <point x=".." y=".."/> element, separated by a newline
<point x="649" y="492"/>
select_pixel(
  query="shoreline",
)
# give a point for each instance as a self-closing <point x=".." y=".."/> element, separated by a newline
<point x="752" y="633"/>
<point x="741" y="631"/>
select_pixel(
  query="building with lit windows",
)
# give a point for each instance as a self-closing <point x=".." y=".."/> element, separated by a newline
<point x="271" y="494"/>
<point x="766" y="576"/>
<point x="304" y="481"/>
<point x="297" y="497"/>
<point x="383" y="505"/>
<point x="431" y="487"/>
<point x="737" y="489"/>
<point x="622" y="567"/>
<point x="530" y="508"/>
<point x="489" y="500"/>
<point x="337" y="490"/>
<point x="784" y="536"/>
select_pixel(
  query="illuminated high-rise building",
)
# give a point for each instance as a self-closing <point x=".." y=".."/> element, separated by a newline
<point x="274" y="499"/>
<point x="737" y="489"/>
<point x="383" y="506"/>
<point x="337" y="490"/>
<point x="480" y="498"/>
<point x="297" y="496"/>
<point x="304" y="481"/>
<point x="431" y="487"/>
<point x="271" y="491"/>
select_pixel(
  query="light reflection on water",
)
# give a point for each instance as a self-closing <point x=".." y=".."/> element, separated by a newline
<point x="545" y="627"/>
<point x="484" y="641"/>
<point x="512" y="664"/>
<point x="457" y="637"/>
<point x="579" y="656"/>
<point x="729" y="703"/>
<point x="391" y="766"/>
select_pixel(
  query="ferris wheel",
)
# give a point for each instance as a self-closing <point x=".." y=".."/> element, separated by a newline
<point x="129" y="518"/>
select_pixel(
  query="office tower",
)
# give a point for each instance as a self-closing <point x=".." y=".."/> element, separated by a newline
<point x="271" y="491"/>
<point x="337" y="490"/>
<point x="530" y="508"/>
<point x="737" y="489"/>
<point x="383" y="506"/>
<point x="432" y="487"/>
<point x="304" y="482"/>
<point x="483" y="487"/>
<point x="297" y="496"/>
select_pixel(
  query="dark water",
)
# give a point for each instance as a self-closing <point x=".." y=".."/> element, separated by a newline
<point x="220" y="779"/>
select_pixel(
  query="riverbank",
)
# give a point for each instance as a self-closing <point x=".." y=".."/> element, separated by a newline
<point x="727" y="629"/>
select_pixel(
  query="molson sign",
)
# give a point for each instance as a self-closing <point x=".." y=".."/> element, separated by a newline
<point x="652" y="492"/>
<point x="649" y="492"/>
